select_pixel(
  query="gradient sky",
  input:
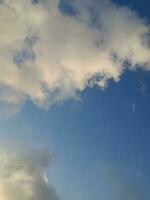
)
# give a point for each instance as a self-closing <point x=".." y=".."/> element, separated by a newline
<point x="99" y="142"/>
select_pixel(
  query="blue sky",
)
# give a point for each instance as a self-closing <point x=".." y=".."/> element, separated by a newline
<point x="99" y="142"/>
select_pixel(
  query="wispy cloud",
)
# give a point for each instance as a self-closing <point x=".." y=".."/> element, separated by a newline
<point x="133" y="107"/>
<point x="121" y="182"/>
<point x="48" y="56"/>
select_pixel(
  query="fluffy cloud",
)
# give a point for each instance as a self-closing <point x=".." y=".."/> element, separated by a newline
<point x="48" y="56"/>
<point x="22" y="176"/>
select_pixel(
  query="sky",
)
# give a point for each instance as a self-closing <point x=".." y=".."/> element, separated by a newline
<point x="74" y="100"/>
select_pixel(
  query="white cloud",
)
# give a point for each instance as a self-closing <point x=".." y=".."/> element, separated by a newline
<point x="22" y="176"/>
<point x="47" y="56"/>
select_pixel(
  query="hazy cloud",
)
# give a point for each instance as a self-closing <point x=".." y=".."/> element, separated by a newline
<point x="48" y="56"/>
<point x="121" y="182"/>
<point x="22" y="176"/>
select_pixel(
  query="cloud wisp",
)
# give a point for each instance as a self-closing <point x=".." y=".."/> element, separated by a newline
<point x="22" y="176"/>
<point x="49" y="56"/>
<point x="121" y="182"/>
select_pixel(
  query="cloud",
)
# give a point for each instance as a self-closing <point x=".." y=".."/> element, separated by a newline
<point x="48" y="56"/>
<point x="133" y="107"/>
<point x="121" y="182"/>
<point x="22" y="176"/>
